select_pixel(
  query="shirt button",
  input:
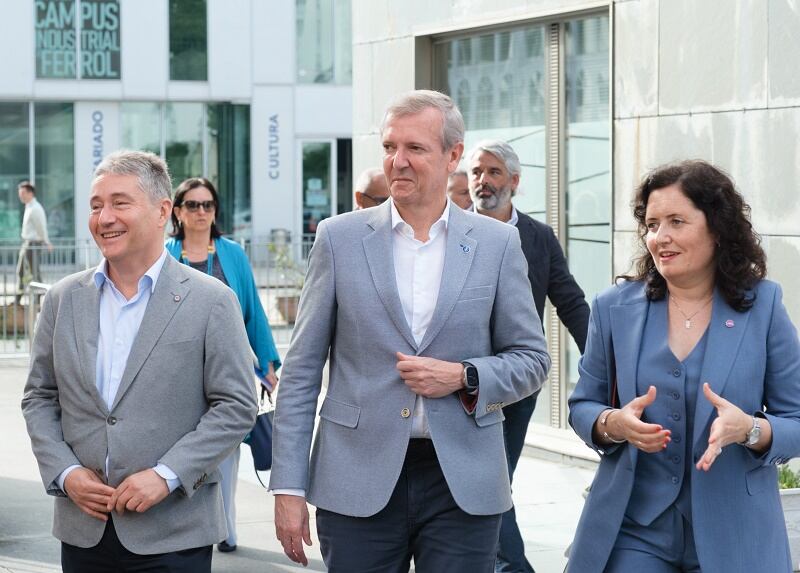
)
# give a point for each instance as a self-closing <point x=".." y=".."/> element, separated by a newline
<point x="676" y="439"/>
<point x="675" y="395"/>
<point x="111" y="420"/>
<point x="676" y="416"/>
<point x="676" y="372"/>
<point x="405" y="412"/>
<point x="676" y="459"/>
<point x="675" y="479"/>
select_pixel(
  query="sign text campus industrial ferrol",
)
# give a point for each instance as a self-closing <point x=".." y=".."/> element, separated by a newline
<point x="60" y="22"/>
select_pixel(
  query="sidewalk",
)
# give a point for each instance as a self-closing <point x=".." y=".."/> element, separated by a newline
<point x="547" y="496"/>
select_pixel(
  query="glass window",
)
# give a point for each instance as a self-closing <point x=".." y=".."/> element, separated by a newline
<point x="324" y="38"/>
<point x="14" y="165"/>
<point x="344" y="175"/>
<point x="100" y="39"/>
<point x="141" y="126"/>
<point x="188" y="45"/>
<point x="184" y="140"/>
<point x="55" y="38"/>
<point x="588" y="149"/>
<point x="228" y="153"/>
<point x="316" y="184"/>
<point x="54" y="138"/>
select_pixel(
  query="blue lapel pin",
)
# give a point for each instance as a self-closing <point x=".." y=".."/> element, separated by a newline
<point x="464" y="247"/>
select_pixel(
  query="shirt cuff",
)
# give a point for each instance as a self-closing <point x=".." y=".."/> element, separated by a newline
<point x="63" y="476"/>
<point x="170" y="476"/>
<point x="297" y="492"/>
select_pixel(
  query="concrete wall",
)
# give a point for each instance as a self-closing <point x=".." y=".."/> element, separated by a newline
<point x="713" y="79"/>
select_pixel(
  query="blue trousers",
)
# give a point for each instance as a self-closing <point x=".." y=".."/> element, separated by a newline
<point x="511" y="548"/>
<point x="664" y="546"/>
<point x="421" y="520"/>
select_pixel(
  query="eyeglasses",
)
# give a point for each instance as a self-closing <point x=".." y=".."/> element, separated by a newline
<point x="376" y="200"/>
<point x="193" y="206"/>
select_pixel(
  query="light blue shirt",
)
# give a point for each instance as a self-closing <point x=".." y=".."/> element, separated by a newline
<point x="120" y="320"/>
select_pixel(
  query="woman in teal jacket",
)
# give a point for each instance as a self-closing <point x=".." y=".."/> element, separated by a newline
<point x="197" y="242"/>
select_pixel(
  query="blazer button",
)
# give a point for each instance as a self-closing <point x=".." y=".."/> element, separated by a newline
<point x="405" y="412"/>
<point x="111" y="420"/>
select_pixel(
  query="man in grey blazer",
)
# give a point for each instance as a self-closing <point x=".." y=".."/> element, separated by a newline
<point x="140" y="384"/>
<point x="427" y="315"/>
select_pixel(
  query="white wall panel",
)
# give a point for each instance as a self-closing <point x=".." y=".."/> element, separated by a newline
<point x="784" y="49"/>
<point x="322" y="110"/>
<point x="229" y="65"/>
<point x="145" y="48"/>
<point x="17" y="49"/>
<point x="273" y="34"/>
<point x="636" y="58"/>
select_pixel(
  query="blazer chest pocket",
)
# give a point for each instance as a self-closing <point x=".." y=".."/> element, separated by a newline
<point x="475" y="293"/>
<point x="340" y="413"/>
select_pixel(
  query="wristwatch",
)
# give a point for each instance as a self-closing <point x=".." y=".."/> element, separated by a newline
<point x="471" y="382"/>
<point x="752" y="437"/>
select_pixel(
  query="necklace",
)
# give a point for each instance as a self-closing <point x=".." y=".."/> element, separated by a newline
<point x="687" y="320"/>
<point x="209" y="259"/>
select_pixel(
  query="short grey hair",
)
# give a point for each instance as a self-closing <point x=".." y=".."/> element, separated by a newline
<point x="417" y="101"/>
<point x="149" y="169"/>
<point x="365" y="179"/>
<point x="459" y="172"/>
<point x="500" y="149"/>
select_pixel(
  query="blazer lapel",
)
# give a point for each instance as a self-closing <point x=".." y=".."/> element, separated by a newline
<point x="725" y="333"/>
<point x="627" y="324"/>
<point x="169" y="294"/>
<point x="458" y="256"/>
<point x="86" y="319"/>
<point x="378" y="251"/>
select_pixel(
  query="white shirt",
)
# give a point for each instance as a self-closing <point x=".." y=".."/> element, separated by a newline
<point x="513" y="220"/>
<point x="418" y="274"/>
<point x="34" y="222"/>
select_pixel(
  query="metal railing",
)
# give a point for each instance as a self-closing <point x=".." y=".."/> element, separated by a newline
<point x="278" y="267"/>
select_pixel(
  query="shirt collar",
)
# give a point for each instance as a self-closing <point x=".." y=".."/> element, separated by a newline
<point x="149" y="278"/>
<point x="405" y="228"/>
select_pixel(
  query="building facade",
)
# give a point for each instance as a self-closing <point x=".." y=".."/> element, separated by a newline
<point x="255" y="95"/>
<point x="592" y="94"/>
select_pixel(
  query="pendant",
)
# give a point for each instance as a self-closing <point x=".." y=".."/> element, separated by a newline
<point x="687" y="324"/>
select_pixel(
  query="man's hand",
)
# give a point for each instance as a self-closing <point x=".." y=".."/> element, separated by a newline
<point x="88" y="492"/>
<point x="139" y="492"/>
<point x="291" y="526"/>
<point x="430" y="377"/>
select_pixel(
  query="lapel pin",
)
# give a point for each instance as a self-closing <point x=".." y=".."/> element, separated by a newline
<point x="729" y="323"/>
<point x="464" y="247"/>
<point x="176" y="298"/>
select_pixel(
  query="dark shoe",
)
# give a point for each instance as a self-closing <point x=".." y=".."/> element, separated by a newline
<point x="224" y="547"/>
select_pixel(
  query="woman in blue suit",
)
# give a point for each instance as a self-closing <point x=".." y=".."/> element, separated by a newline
<point x="690" y="392"/>
<point x="197" y="241"/>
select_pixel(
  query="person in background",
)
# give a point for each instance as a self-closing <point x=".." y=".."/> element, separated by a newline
<point x="138" y="388"/>
<point x="371" y="189"/>
<point x="197" y="242"/>
<point x="689" y="390"/>
<point x="458" y="188"/>
<point x="34" y="237"/>
<point x="494" y="176"/>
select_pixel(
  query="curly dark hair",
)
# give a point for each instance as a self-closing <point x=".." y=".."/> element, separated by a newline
<point x="186" y="186"/>
<point x="740" y="261"/>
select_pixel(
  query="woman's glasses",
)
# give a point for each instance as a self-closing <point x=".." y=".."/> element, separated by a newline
<point x="193" y="206"/>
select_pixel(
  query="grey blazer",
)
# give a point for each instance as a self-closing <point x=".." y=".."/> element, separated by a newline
<point x="186" y="399"/>
<point x="351" y="309"/>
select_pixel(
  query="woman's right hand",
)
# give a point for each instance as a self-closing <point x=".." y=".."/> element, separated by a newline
<point x="626" y="424"/>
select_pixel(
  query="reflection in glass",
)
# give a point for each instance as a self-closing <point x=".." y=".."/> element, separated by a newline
<point x="54" y="139"/>
<point x="316" y="181"/>
<point x="588" y="178"/>
<point x="501" y="95"/>
<point x="14" y="165"/>
<point x="324" y="41"/>
<point x="141" y="126"/>
<point x="228" y="153"/>
<point x="188" y="49"/>
<point x="344" y="175"/>
<point x="184" y="140"/>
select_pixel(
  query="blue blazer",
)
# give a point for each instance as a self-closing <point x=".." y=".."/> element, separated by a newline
<point x="237" y="271"/>
<point x="754" y="362"/>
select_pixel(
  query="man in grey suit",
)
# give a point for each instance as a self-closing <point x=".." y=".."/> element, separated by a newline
<point x="140" y="383"/>
<point x="427" y="314"/>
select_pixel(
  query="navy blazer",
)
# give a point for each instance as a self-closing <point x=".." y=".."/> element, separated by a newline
<point x="550" y="277"/>
<point x="752" y="359"/>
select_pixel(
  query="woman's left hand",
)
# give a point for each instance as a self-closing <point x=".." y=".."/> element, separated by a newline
<point x="271" y="377"/>
<point x="730" y="427"/>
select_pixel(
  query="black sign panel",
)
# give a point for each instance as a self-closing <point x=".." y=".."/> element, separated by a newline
<point x="100" y="41"/>
<point x="55" y="38"/>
